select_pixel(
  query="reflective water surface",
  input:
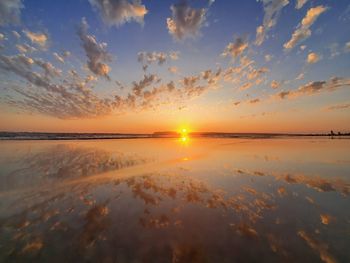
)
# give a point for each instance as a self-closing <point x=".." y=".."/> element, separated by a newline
<point x="169" y="200"/>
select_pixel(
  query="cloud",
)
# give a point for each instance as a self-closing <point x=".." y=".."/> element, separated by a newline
<point x="256" y="73"/>
<point x="16" y="34"/>
<point x="119" y="12"/>
<point x="24" y="48"/>
<point x="347" y="47"/>
<point x="236" y="48"/>
<point x="313" y="58"/>
<point x="186" y="21"/>
<point x="148" y="58"/>
<point x="95" y="52"/>
<point x="246" y="86"/>
<point x="272" y="10"/>
<point x="49" y="69"/>
<point x="61" y="57"/>
<point x="254" y="101"/>
<point x="147" y="80"/>
<point x="174" y="55"/>
<point x="341" y="106"/>
<point x="211" y="77"/>
<point x="39" y="39"/>
<point x="317" y="246"/>
<point x="67" y="99"/>
<point x="300" y="3"/>
<point x="50" y="92"/>
<point x="303" y="30"/>
<point x="173" y="70"/>
<point x="275" y="84"/>
<point x="21" y="65"/>
<point x="315" y="87"/>
<point x="268" y="58"/>
<point x="58" y="57"/>
<point x="300" y="76"/>
<point x="10" y="12"/>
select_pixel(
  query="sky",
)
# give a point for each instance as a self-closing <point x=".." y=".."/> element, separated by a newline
<point x="140" y="66"/>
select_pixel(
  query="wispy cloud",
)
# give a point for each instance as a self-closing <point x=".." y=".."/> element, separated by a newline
<point x="160" y="58"/>
<point x="275" y="84"/>
<point x="341" y="106"/>
<point x="10" y="11"/>
<point x="303" y="30"/>
<point x="95" y="52"/>
<point x="313" y="58"/>
<point x="300" y="4"/>
<point x="186" y="21"/>
<point x="236" y="48"/>
<point x="37" y="38"/>
<point x="118" y="12"/>
<point x="25" y="48"/>
<point x="272" y="10"/>
<point x="314" y="87"/>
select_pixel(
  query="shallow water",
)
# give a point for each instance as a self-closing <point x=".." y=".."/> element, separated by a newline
<point x="163" y="200"/>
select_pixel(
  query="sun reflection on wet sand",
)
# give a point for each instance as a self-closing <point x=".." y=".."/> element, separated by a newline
<point x="158" y="201"/>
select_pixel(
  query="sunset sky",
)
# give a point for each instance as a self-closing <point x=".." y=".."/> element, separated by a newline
<point x="155" y="65"/>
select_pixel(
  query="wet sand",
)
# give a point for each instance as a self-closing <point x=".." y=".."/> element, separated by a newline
<point x="165" y="200"/>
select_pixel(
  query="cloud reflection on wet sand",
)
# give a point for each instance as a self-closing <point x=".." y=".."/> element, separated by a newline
<point x="127" y="207"/>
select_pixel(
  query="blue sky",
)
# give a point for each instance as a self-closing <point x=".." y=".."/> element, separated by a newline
<point x="307" y="78"/>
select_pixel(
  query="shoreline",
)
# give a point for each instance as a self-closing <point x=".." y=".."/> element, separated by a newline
<point x="20" y="136"/>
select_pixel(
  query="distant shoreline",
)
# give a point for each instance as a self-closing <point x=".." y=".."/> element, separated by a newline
<point x="110" y="136"/>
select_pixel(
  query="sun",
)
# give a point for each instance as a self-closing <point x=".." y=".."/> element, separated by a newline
<point x="184" y="139"/>
<point x="184" y="135"/>
<point x="183" y="131"/>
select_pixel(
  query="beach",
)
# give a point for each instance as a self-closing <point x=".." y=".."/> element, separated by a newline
<point x="173" y="200"/>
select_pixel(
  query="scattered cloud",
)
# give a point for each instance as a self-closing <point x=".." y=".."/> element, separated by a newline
<point x="211" y="77"/>
<point x="300" y="76"/>
<point x="119" y="12"/>
<point x="246" y="86"/>
<point x="272" y="10"/>
<point x="10" y="12"/>
<point x="334" y="50"/>
<point x="25" y="48"/>
<point x="254" y="101"/>
<point x="341" y="106"/>
<point x="186" y="21"/>
<point x="148" y="58"/>
<point x="303" y="30"/>
<point x="314" y="87"/>
<point x="236" y="48"/>
<point x="16" y="34"/>
<point x="58" y="57"/>
<point x="275" y="84"/>
<point x="347" y="47"/>
<point x="313" y="58"/>
<point x="71" y="96"/>
<point x="174" y="55"/>
<point x="317" y="246"/>
<point x="95" y="52"/>
<point x="300" y="4"/>
<point x="268" y="57"/>
<point x="173" y="70"/>
<point x="39" y="39"/>
<point x="256" y="73"/>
